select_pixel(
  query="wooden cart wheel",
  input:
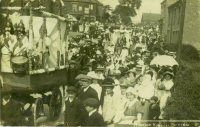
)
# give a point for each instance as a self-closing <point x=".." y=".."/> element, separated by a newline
<point x="38" y="110"/>
<point x="55" y="104"/>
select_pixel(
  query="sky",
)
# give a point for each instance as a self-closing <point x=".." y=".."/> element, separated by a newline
<point x="148" y="6"/>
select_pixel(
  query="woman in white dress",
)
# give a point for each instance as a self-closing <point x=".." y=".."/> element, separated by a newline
<point x="8" y="41"/>
<point x="164" y="90"/>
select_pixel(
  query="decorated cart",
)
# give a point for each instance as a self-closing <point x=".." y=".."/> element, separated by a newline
<point x="39" y="76"/>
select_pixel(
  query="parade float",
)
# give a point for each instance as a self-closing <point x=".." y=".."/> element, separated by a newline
<point x="39" y="77"/>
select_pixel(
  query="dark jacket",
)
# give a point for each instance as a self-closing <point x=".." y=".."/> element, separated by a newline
<point x="95" y="120"/>
<point x="11" y="113"/>
<point x="90" y="93"/>
<point x="82" y="96"/>
<point x="73" y="113"/>
<point x="154" y="111"/>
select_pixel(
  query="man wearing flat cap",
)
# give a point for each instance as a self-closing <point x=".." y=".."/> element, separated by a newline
<point x="94" y="119"/>
<point x="86" y="91"/>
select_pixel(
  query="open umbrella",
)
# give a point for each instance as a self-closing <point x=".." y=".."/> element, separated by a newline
<point x="164" y="60"/>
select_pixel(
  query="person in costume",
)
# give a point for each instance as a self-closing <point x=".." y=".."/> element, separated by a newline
<point x="22" y="46"/>
<point x="7" y="43"/>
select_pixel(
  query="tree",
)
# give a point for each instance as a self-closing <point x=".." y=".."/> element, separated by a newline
<point x="126" y="9"/>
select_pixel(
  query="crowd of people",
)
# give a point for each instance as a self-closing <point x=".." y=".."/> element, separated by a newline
<point x="111" y="76"/>
<point x="110" y="80"/>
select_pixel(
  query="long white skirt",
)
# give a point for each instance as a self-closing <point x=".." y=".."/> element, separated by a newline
<point x="5" y="63"/>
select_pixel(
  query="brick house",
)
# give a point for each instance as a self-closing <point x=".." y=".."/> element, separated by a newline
<point x="81" y="8"/>
<point x="77" y="8"/>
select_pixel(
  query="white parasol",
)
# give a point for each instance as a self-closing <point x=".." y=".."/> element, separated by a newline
<point x="164" y="60"/>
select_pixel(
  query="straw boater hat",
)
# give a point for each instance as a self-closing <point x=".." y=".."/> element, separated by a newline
<point x="82" y="77"/>
<point x="93" y="75"/>
<point x="123" y="85"/>
<point x="131" y="90"/>
<point x="99" y="68"/>
<point x="115" y="73"/>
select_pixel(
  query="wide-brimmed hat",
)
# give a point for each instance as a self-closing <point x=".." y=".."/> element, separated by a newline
<point x="138" y="67"/>
<point x="108" y="82"/>
<point x="72" y="62"/>
<point x="93" y="75"/>
<point x="169" y="73"/>
<point x="99" y="68"/>
<point x="115" y="72"/>
<point x="131" y="90"/>
<point x="154" y="98"/>
<point x="124" y="85"/>
<point x="72" y="89"/>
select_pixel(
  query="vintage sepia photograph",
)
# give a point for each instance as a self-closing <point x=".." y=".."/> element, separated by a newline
<point x="107" y="63"/>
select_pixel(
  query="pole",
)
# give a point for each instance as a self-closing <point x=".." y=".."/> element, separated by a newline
<point x="30" y="33"/>
<point x="183" y="6"/>
<point x="89" y="10"/>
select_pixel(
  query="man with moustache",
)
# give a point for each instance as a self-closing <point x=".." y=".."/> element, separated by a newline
<point x="84" y="93"/>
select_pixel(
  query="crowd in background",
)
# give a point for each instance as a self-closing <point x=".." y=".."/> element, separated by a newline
<point x="111" y="79"/>
<point x="113" y="66"/>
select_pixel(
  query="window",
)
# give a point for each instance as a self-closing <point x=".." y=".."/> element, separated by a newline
<point x="86" y="10"/>
<point x="80" y="8"/>
<point x="74" y="7"/>
<point x="91" y="6"/>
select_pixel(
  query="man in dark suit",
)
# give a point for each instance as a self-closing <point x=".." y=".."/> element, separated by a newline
<point x="86" y="91"/>
<point x="94" y="119"/>
<point x="73" y="108"/>
<point x="11" y="111"/>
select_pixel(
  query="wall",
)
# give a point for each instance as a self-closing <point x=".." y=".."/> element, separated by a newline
<point x="191" y="34"/>
<point x="164" y="15"/>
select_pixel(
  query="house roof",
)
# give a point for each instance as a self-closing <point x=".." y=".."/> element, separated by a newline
<point x="150" y="17"/>
<point x="85" y="1"/>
